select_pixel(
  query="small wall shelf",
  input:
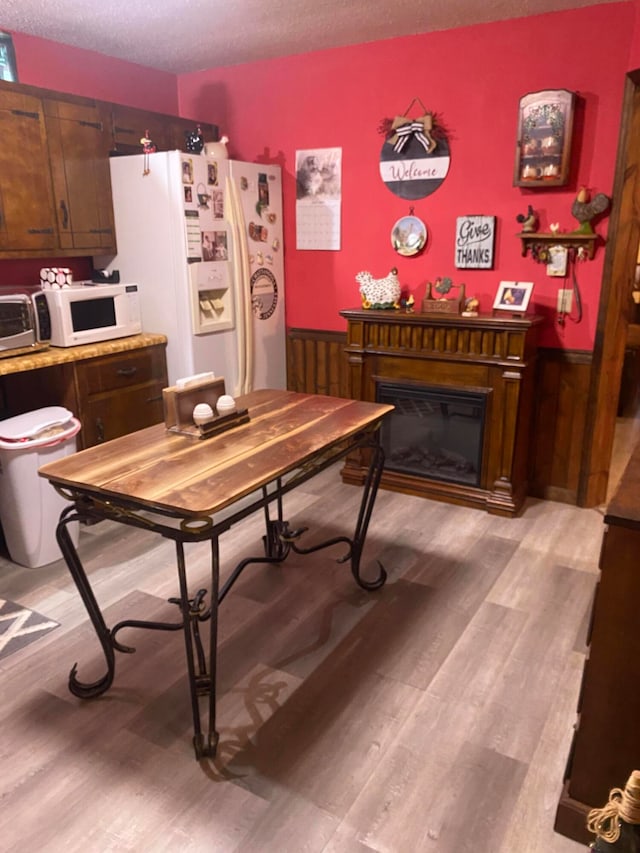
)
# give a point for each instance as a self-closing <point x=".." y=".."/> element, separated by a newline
<point x="586" y="241"/>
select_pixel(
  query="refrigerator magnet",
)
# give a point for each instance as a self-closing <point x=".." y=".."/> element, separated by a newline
<point x="187" y="171"/>
<point x="264" y="293"/>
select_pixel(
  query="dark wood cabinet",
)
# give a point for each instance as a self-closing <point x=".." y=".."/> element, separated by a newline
<point x="27" y="218"/>
<point x="79" y="137"/>
<point x="55" y="184"/>
<point x="167" y="132"/>
<point x="489" y="359"/>
<point x="606" y="743"/>
<point x="118" y="394"/>
<point x="543" y="148"/>
<point x="113" y="388"/>
<point x="55" y="180"/>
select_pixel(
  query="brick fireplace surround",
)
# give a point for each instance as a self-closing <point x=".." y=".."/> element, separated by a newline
<point x="493" y="356"/>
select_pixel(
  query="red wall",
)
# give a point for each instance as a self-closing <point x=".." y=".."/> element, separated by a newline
<point x="634" y="50"/>
<point x="81" y="72"/>
<point x="473" y="77"/>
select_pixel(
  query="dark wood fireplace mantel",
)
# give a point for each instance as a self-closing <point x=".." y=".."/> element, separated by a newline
<point x="494" y="355"/>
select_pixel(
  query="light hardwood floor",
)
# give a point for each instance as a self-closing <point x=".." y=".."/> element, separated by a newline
<point x="433" y="715"/>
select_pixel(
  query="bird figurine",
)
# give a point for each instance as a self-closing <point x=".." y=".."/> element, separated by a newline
<point x="217" y="150"/>
<point x="379" y="292"/>
<point x="528" y="220"/>
<point x="585" y="210"/>
<point x="148" y="145"/>
<point x="443" y="285"/>
<point x="471" y="306"/>
<point x="407" y="303"/>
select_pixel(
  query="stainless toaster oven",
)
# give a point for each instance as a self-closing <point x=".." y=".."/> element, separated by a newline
<point x="24" y="323"/>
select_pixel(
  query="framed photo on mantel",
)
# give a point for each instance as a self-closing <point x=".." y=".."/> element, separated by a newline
<point x="543" y="148"/>
<point x="513" y="296"/>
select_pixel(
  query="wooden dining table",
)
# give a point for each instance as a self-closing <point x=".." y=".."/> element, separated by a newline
<point x="192" y="489"/>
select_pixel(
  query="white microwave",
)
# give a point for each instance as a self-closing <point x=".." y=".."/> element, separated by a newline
<point x="86" y="314"/>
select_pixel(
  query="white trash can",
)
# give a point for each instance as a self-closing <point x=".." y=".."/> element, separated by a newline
<point x="29" y="505"/>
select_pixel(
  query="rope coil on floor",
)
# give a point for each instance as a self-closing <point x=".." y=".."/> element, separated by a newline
<point x="622" y="805"/>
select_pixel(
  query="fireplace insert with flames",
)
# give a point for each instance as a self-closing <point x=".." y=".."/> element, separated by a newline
<point x="436" y="433"/>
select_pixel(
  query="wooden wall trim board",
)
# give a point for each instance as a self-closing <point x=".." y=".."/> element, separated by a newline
<point x="316" y="364"/>
<point x="615" y="303"/>
<point x="561" y="397"/>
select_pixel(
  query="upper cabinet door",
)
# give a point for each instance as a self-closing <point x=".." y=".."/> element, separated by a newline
<point x="166" y="132"/>
<point x="130" y="125"/>
<point x="79" y="139"/>
<point x="27" y="220"/>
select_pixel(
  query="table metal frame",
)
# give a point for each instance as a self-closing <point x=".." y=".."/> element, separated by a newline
<point x="279" y="541"/>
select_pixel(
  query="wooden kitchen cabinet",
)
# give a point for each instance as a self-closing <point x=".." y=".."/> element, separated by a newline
<point x="27" y="218"/>
<point x="605" y="747"/>
<point x="114" y="387"/>
<point x="121" y="393"/>
<point x="167" y="132"/>
<point x="54" y="174"/>
<point x="55" y="183"/>
<point x="79" y="139"/>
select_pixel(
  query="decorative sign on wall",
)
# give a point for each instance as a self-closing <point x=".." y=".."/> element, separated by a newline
<point x="475" y="239"/>
<point x="414" y="160"/>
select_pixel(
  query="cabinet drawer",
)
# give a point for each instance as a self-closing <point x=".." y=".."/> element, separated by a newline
<point x="112" y="373"/>
<point x="113" y="415"/>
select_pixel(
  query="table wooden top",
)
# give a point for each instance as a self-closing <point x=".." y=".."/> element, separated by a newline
<point x="159" y="470"/>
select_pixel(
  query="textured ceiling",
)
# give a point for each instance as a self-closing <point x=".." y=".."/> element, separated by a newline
<point x="189" y="35"/>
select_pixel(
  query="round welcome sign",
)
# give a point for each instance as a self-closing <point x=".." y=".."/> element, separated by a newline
<point x="413" y="163"/>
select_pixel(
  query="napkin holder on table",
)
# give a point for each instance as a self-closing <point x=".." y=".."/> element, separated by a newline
<point x="179" y="403"/>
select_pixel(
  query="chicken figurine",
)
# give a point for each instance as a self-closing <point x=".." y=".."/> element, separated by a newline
<point x="379" y="292"/>
<point x="585" y="210"/>
<point x="528" y="220"/>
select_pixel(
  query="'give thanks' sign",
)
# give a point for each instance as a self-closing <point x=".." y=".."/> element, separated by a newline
<point x="475" y="237"/>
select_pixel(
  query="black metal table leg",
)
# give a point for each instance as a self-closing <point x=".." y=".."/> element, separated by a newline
<point x="76" y="569"/>
<point x="370" y="491"/>
<point x="200" y="682"/>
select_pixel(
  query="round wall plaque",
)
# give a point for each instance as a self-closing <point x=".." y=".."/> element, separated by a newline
<point x="410" y="171"/>
<point x="409" y="236"/>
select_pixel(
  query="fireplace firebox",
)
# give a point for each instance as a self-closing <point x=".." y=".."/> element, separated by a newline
<point x="462" y="388"/>
<point x="433" y="433"/>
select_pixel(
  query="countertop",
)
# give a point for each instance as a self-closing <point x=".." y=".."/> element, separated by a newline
<point x="51" y="356"/>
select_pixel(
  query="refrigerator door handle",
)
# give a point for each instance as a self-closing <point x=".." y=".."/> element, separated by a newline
<point x="242" y="273"/>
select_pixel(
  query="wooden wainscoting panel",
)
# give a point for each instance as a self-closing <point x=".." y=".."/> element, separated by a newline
<point x="316" y="362"/>
<point x="559" y="423"/>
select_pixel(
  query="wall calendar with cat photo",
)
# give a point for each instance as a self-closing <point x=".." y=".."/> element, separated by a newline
<point x="318" y="198"/>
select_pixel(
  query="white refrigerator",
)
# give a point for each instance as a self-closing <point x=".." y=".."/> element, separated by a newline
<point x="202" y="239"/>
